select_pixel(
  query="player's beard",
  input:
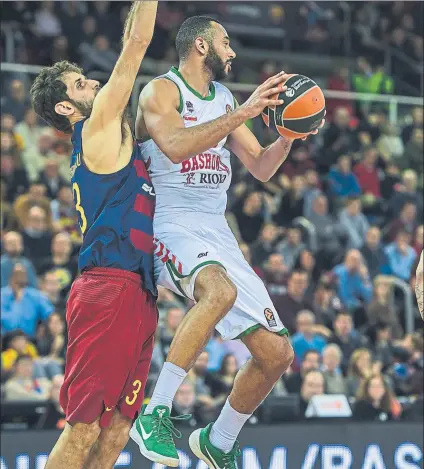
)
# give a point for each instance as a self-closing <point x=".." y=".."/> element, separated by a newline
<point x="215" y="65"/>
<point x="83" y="107"/>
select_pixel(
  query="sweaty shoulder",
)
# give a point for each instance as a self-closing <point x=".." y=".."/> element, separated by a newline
<point x="160" y="91"/>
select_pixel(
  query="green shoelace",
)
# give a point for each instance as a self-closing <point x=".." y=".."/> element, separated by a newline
<point x="230" y="459"/>
<point x="165" y="430"/>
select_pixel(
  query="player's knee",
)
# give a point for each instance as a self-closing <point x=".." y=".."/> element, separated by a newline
<point x="85" y="434"/>
<point x="214" y="285"/>
<point x="276" y="363"/>
<point x="119" y="434"/>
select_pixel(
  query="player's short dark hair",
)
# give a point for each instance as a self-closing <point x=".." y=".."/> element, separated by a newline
<point x="49" y="89"/>
<point x="191" y="29"/>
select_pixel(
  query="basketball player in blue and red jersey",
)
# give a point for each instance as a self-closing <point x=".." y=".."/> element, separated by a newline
<point x="111" y="312"/>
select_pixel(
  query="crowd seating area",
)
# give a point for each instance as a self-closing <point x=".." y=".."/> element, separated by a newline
<point x="332" y="235"/>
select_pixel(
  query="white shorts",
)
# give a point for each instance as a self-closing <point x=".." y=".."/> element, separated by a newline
<point x="183" y="247"/>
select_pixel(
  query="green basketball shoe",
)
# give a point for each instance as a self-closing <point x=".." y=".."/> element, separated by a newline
<point x="213" y="457"/>
<point x="154" y="435"/>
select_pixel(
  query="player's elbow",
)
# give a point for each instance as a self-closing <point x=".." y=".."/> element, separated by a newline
<point x="137" y="40"/>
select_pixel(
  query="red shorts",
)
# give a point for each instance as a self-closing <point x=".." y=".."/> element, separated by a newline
<point x="111" y="325"/>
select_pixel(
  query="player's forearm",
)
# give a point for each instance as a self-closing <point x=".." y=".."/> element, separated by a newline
<point x="271" y="158"/>
<point x="140" y="22"/>
<point x="187" y="142"/>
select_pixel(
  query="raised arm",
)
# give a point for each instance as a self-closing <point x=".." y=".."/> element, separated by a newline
<point x="113" y="98"/>
<point x="158" y="106"/>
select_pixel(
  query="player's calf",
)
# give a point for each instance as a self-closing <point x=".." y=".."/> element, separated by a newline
<point x="72" y="448"/>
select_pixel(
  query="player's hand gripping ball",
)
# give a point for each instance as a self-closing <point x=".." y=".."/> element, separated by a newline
<point x="302" y="112"/>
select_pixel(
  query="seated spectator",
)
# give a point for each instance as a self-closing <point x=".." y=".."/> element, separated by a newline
<point x="55" y="416"/>
<point x="289" y="304"/>
<point x="412" y="155"/>
<point x="308" y="335"/>
<point x="216" y="350"/>
<point x="51" y="178"/>
<point x="367" y="174"/>
<point x="51" y="339"/>
<point x="250" y="216"/>
<point x="405" y="222"/>
<point x="335" y="382"/>
<point x="375" y="401"/>
<point x="98" y="55"/>
<point x="382" y="308"/>
<point x="15" y="176"/>
<point x="330" y="234"/>
<point x="223" y="381"/>
<point x="30" y="131"/>
<point x="169" y="328"/>
<point x="341" y="180"/>
<point x="22" y="386"/>
<point x="391" y="181"/>
<point x="313" y="385"/>
<point x="61" y="262"/>
<point x="16" y="344"/>
<point x="313" y="188"/>
<point x="36" y="197"/>
<point x="306" y="261"/>
<point x="346" y="337"/>
<point x="37" y="236"/>
<point x="354" y="285"/>
<point x="291" y="247"/>
<point x="361" y="367"/>
<point x="50" y="286"/>
<point x="13" y="249"/>
<point x="17" y="100"/>
<point x="264" y="246"/>
<point x="390" y="144"/>
<point x="64" y="214"/>
<point x="293" y="381"/>
<point x="406" y="192"/>
<point x="326" y="303"/>
<point x="354" y="222"/>
<point x="382" y="344"/>
<point x="22" y="307"/>
<point x="275" y="275"/>
<point x="417" y="123"/>
<point x="185" y="403"/>
<point x="299" y="160"/>
<point x="401" y="256"/>
<point x="292" y="202"/>
<point x="373" y="253"/>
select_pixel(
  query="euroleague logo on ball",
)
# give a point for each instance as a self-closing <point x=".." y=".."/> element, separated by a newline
<point x="290" y="93"/>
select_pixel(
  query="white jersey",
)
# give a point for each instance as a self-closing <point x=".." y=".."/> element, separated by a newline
<point x="200" y="183"/>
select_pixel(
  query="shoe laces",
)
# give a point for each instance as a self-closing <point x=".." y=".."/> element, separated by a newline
<point x="165" y="429"/>
<point x="230" y="459"/>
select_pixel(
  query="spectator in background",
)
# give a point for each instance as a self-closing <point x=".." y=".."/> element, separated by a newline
<point x="360" y="368"/>
<point x="55" y="418"/>
<point x="338" y="82"/>
<point x="305" y="261"/>
<point x="406" y="192"/>
<point x="16" y="344"/>
<point x="411" y="158"/>
<point x="64" y="215"/>
<point x="291" y="205"/>
<point x="294" y="300"/>
<point x="335" y="382"/>
<point x="308" y="335"/>
<point x="17" y="102"/>
<point x="367" y="174"/>
<point x="373" y="253"/>
<point x="50" y="286"/>
<point x="299" y="160"/>
<point x="51" y="340"/>
<point x="22" y="306"/>
<point x="313" y="385"/>
<point x="329" y="234"/>
<point x="275" y="274"/>
<point x="89" y="29"/>
<point x="60" y="50"/>
<point x="369" y="80"/>
<point x="37" y="236"/>
<point x="51" y="178"/>
<point x="354" y="286"/>
<point x="14" y="174"/>
<point x="264" y="246"/>
<point x="338" y="138"/>
<point x="47" y="24"/>
<point x="417" y="123"/>
<point x="168" y="330"/>
<point x="250" y="217"/>
<point x="224" y="379"/>
<point x="293" y="381"/>
<point x="22" y="386"/>
<point x="382" y="308"/>
<point x="375" y="401"/>
<point x="391" y="180"/>
<point x="401" y="256"/>
<point x="341" y="180"/>
<point x="61" y="262"/>
<point x="382" y="344"/>
<point x="246" y="251"/>
<point x="29" y="129"/>
<point x="185" y="404"/>
<point x="98" y="55"/>
<point x="326" y="303"/>
<point x="354" y="222"/>
<point x="13" y="249"/>
<point x="405" y="222"/>
<point x="390" y="144"/>
<point x="36" y="197"/>
<point x="346" y="337"/>
<point x="311" y="192"/>
<point x="291" y="247"/>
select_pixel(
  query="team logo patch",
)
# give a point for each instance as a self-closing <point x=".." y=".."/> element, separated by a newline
<point x="190" y="107"/>
<point x="269" y="316"/>
<point x="228" y="109"/>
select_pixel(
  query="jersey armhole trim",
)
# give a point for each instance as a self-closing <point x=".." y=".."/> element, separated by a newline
<point x="181" y="105"/>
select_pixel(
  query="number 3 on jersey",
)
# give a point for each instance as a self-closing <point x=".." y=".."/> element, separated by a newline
<point x="78" y="207"/>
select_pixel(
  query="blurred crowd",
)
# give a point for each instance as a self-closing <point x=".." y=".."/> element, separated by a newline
<point x="332" y="235"/>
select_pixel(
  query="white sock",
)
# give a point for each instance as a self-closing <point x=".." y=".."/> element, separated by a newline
<point x="225" y="430"/>
<point x="170" y="379"/>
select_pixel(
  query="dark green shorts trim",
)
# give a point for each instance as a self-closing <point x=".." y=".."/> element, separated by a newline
<point x="258" y="326"/>
<point x="173" y="272"/>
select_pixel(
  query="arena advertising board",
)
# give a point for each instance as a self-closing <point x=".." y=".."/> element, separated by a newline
<point x="288" y="446"/>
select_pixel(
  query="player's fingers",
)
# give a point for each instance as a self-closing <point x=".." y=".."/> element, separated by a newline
<point x="272" y="91"/>
<point x="279" y="78"/>
<point x="322" y="124"/>
<point x="273" y="102"/>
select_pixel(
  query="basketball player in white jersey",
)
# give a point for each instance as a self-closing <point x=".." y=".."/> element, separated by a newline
<point x="185" y="119"/>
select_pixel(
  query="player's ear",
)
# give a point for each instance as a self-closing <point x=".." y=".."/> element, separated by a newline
<point x="201" y="45"/>
<point x="64" y="108"/>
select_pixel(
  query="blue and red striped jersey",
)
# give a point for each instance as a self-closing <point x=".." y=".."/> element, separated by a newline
<point x="115" y="214"/>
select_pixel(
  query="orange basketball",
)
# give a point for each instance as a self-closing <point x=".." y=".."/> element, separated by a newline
<point x="302" y="111"/>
